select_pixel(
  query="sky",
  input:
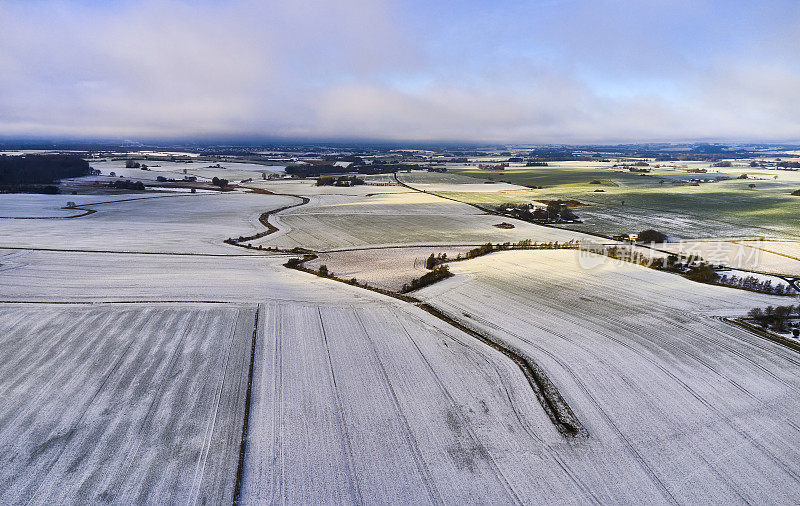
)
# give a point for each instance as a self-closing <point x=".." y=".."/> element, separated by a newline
<point x="546" y="71"/>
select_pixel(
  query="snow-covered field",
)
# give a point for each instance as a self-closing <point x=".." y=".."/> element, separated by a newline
<point x="382" y="404"/>
<point x="680" y="405"/>
<point x="114" y="277"/>
<point x="168" y="223"/>
<point x="203" y="170"/>
<point x="125" y="363"/>
<point x="779" y="257"/>
<point x="359" y="218"/>
<point x="124" y="404"/>
<point x="387" y="268"/>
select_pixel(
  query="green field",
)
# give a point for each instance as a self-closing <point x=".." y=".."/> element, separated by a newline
<point x="631" y="202"/>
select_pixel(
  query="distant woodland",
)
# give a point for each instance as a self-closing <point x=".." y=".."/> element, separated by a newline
<point x="31" y="173"/>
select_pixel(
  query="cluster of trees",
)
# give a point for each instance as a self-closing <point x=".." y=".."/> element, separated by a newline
<point x="434" y="260"/>
<point x="777" y="318"/>
<point x="725" y="163"/>
<point x="703" y="273"/>
<point x="534" y="163"/>
<point x="222" y="183"/>
<point x="789" y="165"/>
<point x="754" y="284"/>
<point x="18" y="172"/>
<point x="796" y="193"/>
<point x="339" y="181"/>
<point x="437" y="274"/>
<point x="126" y="184"/>
<point x="133" y="164"/>
<point x="495" y="167"/>
<point x="555" y="211"/>
<point x="651" y="235"/>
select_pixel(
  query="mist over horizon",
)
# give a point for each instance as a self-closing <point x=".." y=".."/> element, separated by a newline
<point x="547" y="72"/>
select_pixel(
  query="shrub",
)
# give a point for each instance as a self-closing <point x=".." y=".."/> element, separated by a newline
<point x="651" y="235"/>
<point x="704" y="273"/>
<point x="222" y="183"/>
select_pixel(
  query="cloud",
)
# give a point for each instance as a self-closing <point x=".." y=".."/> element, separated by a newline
<point x="557" y="71"/>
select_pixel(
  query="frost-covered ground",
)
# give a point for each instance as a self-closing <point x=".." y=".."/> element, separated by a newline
<point x="778" y="257"/>
<point x="341" y="219"/>
<point x="681" y="406"/>
<point x="196" y="223"/>
<point x="203" y="170"/>
<point x="387" y="268"/>
<point x="121" y="403"/>
<point x="124" y="372"/>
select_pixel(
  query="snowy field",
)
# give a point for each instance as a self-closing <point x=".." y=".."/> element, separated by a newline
<point x="178" y="223"/>
<point x="202" y="170"/>
<point x="124" y="404"/>
<point x="682" y="406"/>
<point x="778" y="257"/>
<point x="126" y="361"/>
<point x="384" y="405"/>
<point x="42" y="276"/>
<point x="387" y="268"/>
<point x="359" y="218"/>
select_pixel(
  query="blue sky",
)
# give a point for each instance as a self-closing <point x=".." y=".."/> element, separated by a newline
<point x="501" y="71"/>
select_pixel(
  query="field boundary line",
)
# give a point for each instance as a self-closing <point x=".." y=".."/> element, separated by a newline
<point x="764" y="334"/>
<point x="248" y="396"/>
<point x="111" y="252"/>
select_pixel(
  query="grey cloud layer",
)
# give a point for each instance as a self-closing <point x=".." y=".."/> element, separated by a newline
<point x="559" y="71"/>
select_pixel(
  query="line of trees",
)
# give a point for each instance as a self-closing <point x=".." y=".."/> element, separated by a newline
<point x="484" y="249"/>
<point x="777" y="318"/>
<point x="692" y="268"/>
<point x="126" y="184"/>
<point x="437" y="274"/>
<point x="339" y="181"/>
<point x="755" y="284"/>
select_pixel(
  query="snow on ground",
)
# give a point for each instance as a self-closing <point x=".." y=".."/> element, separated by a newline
<point x="233" y="171"/>
<point x="681" y="406"/>
<point x="195" y="223"/>
<point x="779" y="257"/>
<point x="385" y="405"/>
<point x="358" y="397"/>
<point x="388" y="268"/>
<point x="21" y="205"/>
<point x="27" y="275"/>
<point x="124" y="404"/>
<point x="345" y="219"/>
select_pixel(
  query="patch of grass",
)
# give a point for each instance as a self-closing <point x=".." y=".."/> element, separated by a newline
<point x="725" y="208"/>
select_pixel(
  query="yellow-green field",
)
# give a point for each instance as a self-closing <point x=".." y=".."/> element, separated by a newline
<point x="630" y="202"/>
